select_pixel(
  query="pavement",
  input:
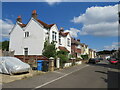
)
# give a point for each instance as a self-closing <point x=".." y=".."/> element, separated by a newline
<point x="101" y="75"/>
<point x="6" y="78"/>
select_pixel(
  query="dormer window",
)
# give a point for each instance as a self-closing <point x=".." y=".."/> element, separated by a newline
<point x="27" y="34"/>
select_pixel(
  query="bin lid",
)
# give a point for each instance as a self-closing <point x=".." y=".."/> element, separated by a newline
<point x="40" y="60"/>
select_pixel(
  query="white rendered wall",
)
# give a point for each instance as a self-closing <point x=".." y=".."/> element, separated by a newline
<point x="16" y="40"/>
<point x="55" y="29"/>
<point x="34" y="43"/>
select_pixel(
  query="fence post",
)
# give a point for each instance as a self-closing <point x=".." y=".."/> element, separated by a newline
<point x="58" y="63"/>
<point x="51" y="64"/>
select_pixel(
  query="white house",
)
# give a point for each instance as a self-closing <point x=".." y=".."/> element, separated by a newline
<point x="64" y="41"/>
<point x="28" y="39"/>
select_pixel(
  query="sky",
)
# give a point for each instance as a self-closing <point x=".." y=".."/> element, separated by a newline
<point x="94" y="23"/>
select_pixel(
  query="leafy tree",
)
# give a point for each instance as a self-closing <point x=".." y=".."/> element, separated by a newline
<point x="106" y="52"/>
<point x="5" y="45"/>
<point x="63" y="55"/>
<point x="49" y="49"/>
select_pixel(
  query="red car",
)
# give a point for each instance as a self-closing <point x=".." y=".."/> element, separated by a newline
<point x="113" y="61"/>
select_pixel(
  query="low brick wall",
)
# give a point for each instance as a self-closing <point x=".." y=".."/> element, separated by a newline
<point x="30" y="58"/>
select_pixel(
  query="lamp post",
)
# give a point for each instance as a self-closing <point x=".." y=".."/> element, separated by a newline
<point x="51" y="64"/>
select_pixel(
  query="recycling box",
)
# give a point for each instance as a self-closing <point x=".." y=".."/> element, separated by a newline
<point x="40" y="65"/>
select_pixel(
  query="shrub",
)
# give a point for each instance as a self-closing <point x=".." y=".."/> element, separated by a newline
<point x="63" y="55"/>
<point x="85" y="57"/>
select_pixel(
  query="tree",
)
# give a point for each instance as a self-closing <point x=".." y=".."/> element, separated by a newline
<point x="49" y="49"/>
<point x="5" y="45"/>
<point x="63" y="55"/>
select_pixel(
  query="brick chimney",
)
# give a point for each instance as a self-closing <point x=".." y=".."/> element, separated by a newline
<point x="78" y="40"/>
<point x="61" y="29"/>
<point x="19" y="19"/>
<point x="34" y="14"/>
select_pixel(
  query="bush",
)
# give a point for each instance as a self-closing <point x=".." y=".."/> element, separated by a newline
<point x="85" y="57"/>
<point x="63" y="55"/>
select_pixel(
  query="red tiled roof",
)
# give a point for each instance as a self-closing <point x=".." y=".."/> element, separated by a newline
<point x="64" y="34"/>
<point x="63" y="48"/>
<point x="78" y="50"/>
<point x="44" y="24"/>
<point x="22" y="25"/>
<point x="74" y="41"/>
<point x="41" y="22"/>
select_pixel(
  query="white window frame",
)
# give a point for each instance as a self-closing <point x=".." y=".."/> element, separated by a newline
<point x="25" y="51"/>
<point x="27" y="34"/>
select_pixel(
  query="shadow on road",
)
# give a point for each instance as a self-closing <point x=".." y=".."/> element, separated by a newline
<point x="113" y="74"/>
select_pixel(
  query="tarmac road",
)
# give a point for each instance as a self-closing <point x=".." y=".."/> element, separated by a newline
<point x="101" y="75"/>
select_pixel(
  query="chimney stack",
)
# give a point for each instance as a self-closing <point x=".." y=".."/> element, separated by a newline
<point x="19" y="19"/>
<point x="34" y="14"/>
<point x="78" y="40"/>
<point x="61" y="29"/>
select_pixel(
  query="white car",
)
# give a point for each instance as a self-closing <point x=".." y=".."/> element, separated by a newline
<point x="12" y="65"/>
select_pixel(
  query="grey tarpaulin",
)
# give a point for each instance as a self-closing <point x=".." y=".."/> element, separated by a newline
<point x="10" y="65"/>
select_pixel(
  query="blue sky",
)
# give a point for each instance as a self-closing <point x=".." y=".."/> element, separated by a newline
<point x="65" y="14"/>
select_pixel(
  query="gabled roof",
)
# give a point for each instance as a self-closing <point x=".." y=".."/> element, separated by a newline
<point x="64" y="34"/>
<point x="73" y="41"/>
<point x="22" y="25"/>
<point x="44" y="24"/>
<point x="41" y="22"/>
<point x="78" y="50"/>
<point x="63" y="48"/>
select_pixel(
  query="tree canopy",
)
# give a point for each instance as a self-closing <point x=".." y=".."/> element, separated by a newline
<point x="4" y="45"/>
<point x="49" y="50"/>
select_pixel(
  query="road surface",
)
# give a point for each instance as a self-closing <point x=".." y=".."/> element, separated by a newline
<point x="101" y="75"/>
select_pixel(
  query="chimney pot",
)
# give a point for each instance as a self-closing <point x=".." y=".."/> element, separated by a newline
<point x="34" y="11"/>
<point x="19" y="16"/>
<point x="19" y="19"/>
<point x="34" y="14"/>
<point x="61" y="29"/>
<point x="78" y="40"/>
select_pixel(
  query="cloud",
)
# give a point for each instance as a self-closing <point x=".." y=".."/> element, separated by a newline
<point x="52" y="2"/>
<point x="99" y="21"/>
<point x="6" y="26"/>
<point x="73" y="32"/>
<point x="114" y="45"/>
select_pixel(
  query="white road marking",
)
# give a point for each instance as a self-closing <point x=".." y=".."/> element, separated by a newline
<point x="58" y="78"/>
<point x="59" y="72"/>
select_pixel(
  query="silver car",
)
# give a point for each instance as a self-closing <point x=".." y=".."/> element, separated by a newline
<point x="12" y="65"/>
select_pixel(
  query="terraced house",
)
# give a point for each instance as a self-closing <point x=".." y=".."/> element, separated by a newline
<point x="28" y="39"/>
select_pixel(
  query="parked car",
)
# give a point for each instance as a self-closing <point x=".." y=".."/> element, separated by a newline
<point x="100" y="59"/>
<point x="114" y="61"/>
<point x="108" y="59"/>
<point x="93" y="60"/>
<point x="12" y="65"/>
